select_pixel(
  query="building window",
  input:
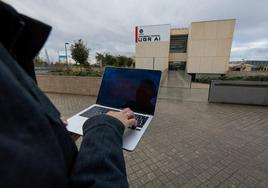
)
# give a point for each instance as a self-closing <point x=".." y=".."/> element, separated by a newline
<point x="178" y="43"/>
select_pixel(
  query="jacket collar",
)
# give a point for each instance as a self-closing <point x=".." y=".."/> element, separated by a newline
<point x="22" y="36"/>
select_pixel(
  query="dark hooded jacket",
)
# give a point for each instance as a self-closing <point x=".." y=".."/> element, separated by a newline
<point x="36" y="150"/>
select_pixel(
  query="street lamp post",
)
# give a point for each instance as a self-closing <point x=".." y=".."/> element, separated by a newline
<point x="153" y="62"/>
<point x="66" y="43"/>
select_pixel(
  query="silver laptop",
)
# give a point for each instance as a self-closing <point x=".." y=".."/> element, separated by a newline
<point x="121" y="88"/>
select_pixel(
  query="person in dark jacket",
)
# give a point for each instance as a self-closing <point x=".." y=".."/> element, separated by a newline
<point x="36" y="150"/>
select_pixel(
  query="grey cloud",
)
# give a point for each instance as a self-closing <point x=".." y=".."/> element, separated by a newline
<point x="251" y="54"/>
<point x="108" y="25"/>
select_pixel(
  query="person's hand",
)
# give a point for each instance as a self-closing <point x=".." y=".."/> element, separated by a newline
<point x="126" y="116"/>
<point x="64" y="120"/>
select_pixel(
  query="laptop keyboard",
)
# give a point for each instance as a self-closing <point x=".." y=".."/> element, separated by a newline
<point x="97" y="110"/>
<point x="141" y="120"/>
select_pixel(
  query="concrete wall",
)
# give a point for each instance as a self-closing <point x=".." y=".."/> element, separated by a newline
<point x="209" y="46"/>
<point x="239" y="92"/>
<point x="163" y="77"/>
<point x="153" y="54"/>
<point x="69" y="84"/>
<point x="178" y="57"/>
<point x="74" y="84"/>
<point x="179" y="31"/>
<point x="146" y="51"/>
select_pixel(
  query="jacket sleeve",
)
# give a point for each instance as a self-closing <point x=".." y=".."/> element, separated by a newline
<point x="100" y="161"/>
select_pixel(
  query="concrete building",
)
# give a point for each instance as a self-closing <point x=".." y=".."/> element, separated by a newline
<point x="241" y="67"/>
<point x="256" y="65"/>
<point x="204" y="48"/>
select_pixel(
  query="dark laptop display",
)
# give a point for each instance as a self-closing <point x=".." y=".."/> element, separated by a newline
<point x="134" y="88"/>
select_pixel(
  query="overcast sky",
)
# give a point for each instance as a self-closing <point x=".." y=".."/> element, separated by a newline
<point x="108" y="25"/>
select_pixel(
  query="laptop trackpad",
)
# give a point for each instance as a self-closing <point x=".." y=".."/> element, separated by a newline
<point x="131" y="138"/>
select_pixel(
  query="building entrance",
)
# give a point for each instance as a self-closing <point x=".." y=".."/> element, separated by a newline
<point x="177" y="65"/>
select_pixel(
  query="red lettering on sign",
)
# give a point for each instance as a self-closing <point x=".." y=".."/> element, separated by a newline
<point x="136" y="34"/>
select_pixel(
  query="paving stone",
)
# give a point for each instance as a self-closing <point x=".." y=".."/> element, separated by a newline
<point x="194" y="144"/>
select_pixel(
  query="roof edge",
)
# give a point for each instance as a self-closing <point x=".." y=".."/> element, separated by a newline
<point x="215" y="20"/>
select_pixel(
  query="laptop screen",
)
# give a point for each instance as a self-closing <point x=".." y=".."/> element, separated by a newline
<point x="133" y="88"/>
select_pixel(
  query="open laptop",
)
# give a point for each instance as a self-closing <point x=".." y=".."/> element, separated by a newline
<point x="121" y="88"/>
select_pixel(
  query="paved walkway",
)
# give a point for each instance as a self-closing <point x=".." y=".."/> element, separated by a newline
<point x="191" y="143"/>
<point x="184" y="94"/>
<point x="177" y="79"/>
<point x="177" y="86"/>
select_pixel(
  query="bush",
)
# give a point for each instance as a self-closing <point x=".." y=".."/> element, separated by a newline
<point x="78" y="73"/>
<point x="245" y="78"/>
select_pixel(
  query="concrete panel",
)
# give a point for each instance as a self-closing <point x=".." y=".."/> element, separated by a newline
<point x="206" y="64"/>
<point x="162" y="50"/>
<point x="210" y="47"/>
<point x="220" y="65"/>
<point x="197" y="31"/>
<point x="225" y="29"/>
<point x="161" y="63"/>
<point x="178" y="57"/>
<point x="239" y="92"/>
<point x="147" y="53"/>
<point x="144" y="63"/>
<point x="149" y="63"/>
<point x="156" y="49"/>
<point x="69" y="84"/>
<point x="223" y="47"/>
<point x="73" y="84"/>
<point x="210" y="31"/>
<point x="210" y="41"/>
<point x="193" y="64"/>
<point x="197" y="48"/>
<point x="163" y="76"/>
<point x="179" y="31"/>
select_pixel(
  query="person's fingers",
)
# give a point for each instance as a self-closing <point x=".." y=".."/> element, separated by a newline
<point x="131" y="122"/>
<point x="130" y="114"/>
<point x="125" y="110"/>
<point x="126" y="116"/>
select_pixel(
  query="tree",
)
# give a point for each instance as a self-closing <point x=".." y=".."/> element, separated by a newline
<point x="38" y="61"/>
<point x="110" y="60"/>
<point x="118" y="61"/>
<point x="121" y="60"/>
<point x="80" y="52"/>
<point x="100" y="59"/>
<point x="130" y="61"/>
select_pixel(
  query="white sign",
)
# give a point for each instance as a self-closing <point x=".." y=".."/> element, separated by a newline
<point x="152" y="33"/>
